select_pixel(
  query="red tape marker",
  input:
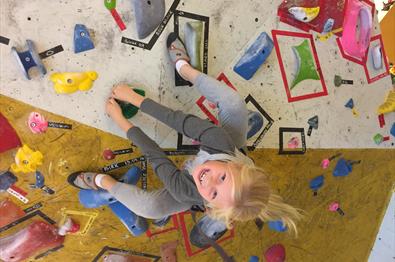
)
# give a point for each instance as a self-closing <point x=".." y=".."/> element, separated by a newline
<point x="381" y="120"/>
<point x="118" y="19"/>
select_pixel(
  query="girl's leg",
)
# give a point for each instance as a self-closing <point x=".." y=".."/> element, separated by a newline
<point x="233" y="113"/>
<point x="149" y="204"/>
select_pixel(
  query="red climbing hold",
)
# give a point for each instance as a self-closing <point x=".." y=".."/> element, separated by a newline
<point x="275" y="253"/>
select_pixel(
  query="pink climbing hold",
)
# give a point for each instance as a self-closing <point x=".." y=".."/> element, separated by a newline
<point x="37" y="123"/>
<point x="275" y="253"/>
<point x="293" y="143"/>
<point x="333" y="206"/>
<point x="325" y="163"/>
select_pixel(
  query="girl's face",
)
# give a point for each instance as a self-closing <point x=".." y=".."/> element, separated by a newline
<point x="214" y="181"/>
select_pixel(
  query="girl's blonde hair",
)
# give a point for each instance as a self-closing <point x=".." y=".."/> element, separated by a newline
<point x="254" y="198"/>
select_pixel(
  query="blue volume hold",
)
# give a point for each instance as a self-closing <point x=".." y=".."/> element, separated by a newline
<point x="255" y="56"/>
<point x="135" y="224"/>
<point x="82" y="39"/>
<point x="392" y="132"/>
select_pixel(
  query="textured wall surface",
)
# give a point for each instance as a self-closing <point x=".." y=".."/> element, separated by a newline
<point x="323" y="235"/>
<point x="233" y="26"/>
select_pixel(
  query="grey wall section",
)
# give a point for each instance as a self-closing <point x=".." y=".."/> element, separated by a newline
<point x="234" y="25"/>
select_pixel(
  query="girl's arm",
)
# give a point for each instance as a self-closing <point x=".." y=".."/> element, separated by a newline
<point x="180" y="186"/>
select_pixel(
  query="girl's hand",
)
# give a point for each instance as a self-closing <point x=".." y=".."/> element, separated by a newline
<point x="114" y="111"/>
<point x="125" y="93"/>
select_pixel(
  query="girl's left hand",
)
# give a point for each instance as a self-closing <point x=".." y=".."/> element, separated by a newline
<point x="113" y="109"/>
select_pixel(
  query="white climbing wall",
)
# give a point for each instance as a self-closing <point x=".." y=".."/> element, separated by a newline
<point x="234" y="25"/>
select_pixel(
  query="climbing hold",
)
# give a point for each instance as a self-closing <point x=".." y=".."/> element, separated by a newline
<point x="358" y="18"/>
<point x="193" y="43"/>
<point x="148" y="15"/>
<point x="305" y="64"/>
<point x="255" y="123"/>
<point x="325" y="162"/>
<point x="213" y="229"/>
<point x="108" y="154"/>
<point x="67" y="83"/>
<point x="316" y="183"/>
<point x="344" y="167"/>
<point x="254" y="57"/>
<point x="392" y="132"/>
<point x="110" y="4"/>
<point x="275" y="253"/>
<point x="27" y="160"/>
<point x="350" y="104"/>
<point x="277" y="225"/>
<point x="136" y="225"/>
<point x="29" y="59"/>
<point x="293" y="142"/>
<point x="304" y="14"/>
<point x="9" y="139"/>
<point x="253" y="259"/>
<point x="389" y="104"/>
<point x="7" y="179"/>
<point x="328" y="26"/>
<point x="129" y="110"/>
<point x="40" y="184"/>
<point x="378" y="139"/>
<point x="377" y="57"/>
<point x="37" y="123"/>
<point x="335" y="207"/>
<point x="168" y="251"/>
<point x="339" y="81"/>
<point x="259" y="223"/>
<point x="82" y="39"/>
<point x="9" y="212"/>
<point x="313" y="123"/>
<point x="69" y="226"/>
<point x="161" y="222"/>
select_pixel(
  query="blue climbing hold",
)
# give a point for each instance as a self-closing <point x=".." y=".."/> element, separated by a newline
<point x="7" y="179"/>
<point x="39" y="180"/>
<point x="255" y="56"/>
<point x="393" y="130"/>
<point x="317" y="182"/>
<point x="277" y="225"/>
<point x="82" y="39"/>
<point x="253" y="259"/>
<point x="213" y="229"/>
<point x="350" y="104"/>
<point x="255" y="123"/>
<point x="343" y="168"/>
<point x="135" y="224"/>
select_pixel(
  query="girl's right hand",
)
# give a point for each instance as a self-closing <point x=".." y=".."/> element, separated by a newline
<point x="125" y="93"/>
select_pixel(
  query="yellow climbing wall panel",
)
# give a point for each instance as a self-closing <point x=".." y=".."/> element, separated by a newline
<point x="323" y="235"/>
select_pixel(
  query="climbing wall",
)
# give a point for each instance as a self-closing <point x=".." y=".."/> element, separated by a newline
<point x="355" y="185"/>
<point x="232" y="26"/>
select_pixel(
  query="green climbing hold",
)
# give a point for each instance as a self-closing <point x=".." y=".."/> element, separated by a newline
<point x="110" y="4"/>
<point x="306" y="67"/>
<point x="378" y="139"/>
<point x="129" y="110"/>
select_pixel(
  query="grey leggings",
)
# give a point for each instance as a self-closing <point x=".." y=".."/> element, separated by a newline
<point x="232" y="116"/>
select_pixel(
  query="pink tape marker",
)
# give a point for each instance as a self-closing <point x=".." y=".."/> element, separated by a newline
<point x="355" y="41"/>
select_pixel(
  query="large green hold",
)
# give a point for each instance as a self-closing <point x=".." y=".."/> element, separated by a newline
<point x="306" y="67"/>
<point x="129" y="110"/>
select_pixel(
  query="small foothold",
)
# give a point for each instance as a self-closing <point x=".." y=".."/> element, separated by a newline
<point x="277" y="225"/>
<point x="325" y="163"/>
<point x="108" y="154"/>
<point x="335" y="207"/>
<point x="378" y="139"/>
<point x="255" y="123"/>
<point x="316" y="183"/>
<point x="350" y="104"/>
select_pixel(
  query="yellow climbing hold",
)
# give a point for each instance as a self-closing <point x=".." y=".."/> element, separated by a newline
<point x="389" y="105"/>
<point x="27" y="160"/>
<point x="304" y="14"/>
<point x="67" y="83"/>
